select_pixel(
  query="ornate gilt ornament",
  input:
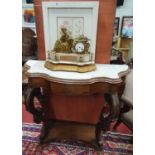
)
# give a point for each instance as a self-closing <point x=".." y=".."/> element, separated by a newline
<point x="81" y="44"/>
<point x="69" y="52"/>
<point x="64" y="44"/>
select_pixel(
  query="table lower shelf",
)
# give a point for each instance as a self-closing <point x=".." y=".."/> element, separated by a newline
<point x="70" y="130"/>
<point x="59" y="130"/>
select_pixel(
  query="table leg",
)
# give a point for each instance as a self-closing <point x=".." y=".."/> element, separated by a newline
<point x="105" y="119"/>
<point x="114" y="109"/>
<point x="37" y="112"/>
<point x="44" y="132"/>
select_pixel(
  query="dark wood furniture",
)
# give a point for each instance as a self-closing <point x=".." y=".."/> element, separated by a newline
<point x="126" y="112"/>
<point x="77" y="120"/>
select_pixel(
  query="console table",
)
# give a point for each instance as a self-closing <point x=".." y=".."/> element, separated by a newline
<point x="82" y="121"/>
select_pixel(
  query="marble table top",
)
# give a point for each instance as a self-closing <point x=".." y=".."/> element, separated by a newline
<point x="110" y="73"/>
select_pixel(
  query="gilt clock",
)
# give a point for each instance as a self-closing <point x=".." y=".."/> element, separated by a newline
<point x="81" y="45"/>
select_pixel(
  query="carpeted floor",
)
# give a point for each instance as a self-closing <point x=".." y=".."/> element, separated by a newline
<point x="113" y="143"/>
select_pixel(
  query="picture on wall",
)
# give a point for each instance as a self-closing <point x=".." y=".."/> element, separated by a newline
<point x="27" y="1"/>
<point x="75" y="26"/>
<point x="28" y="16"/>
<point x="127" y="27"/>
<point x="116" y="25"/>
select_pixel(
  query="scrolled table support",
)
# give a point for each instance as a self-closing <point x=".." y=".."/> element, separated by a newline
<point x="114" y="105"/>
<point x="102" y="126"/>
<point x="37" y="112"/>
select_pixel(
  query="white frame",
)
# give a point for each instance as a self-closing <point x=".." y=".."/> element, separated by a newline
<point x="70" y="5"/>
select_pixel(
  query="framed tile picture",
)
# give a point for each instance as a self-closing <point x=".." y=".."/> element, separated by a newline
<point x="127" y="27"/>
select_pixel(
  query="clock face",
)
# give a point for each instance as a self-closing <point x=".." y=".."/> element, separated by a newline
<point x="79" y="47"/>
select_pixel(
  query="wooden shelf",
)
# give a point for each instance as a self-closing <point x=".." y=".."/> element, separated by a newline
<point x="122" y="45"/>
<point x="29" y="26"/>
<point x="27" y="5"/>
<point x="119" y="49"/>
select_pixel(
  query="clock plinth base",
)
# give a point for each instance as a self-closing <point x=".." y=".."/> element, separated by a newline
<point x="70" y="67"/>
<point x="60" y="57"/>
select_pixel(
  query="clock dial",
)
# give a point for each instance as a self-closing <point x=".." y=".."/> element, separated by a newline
<point x="79" y="47"/>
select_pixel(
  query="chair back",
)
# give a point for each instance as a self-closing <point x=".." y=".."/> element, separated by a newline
<point x="128" y="91"/>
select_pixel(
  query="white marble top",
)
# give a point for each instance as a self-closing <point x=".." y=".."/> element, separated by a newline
<point x="103" y="73"/>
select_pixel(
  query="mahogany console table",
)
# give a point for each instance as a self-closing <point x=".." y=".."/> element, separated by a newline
<point x="82" y="121"/>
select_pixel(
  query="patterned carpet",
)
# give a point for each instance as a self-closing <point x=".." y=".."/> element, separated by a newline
<point x="114" y="144"/>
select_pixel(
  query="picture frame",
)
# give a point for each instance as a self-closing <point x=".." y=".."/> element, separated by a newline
<point x="79" y="17"/>
<point x="127" y="27"/>
<point x="28" y="16"/>
<point x="116" y="25"/>
<point x="27" y="1"/>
